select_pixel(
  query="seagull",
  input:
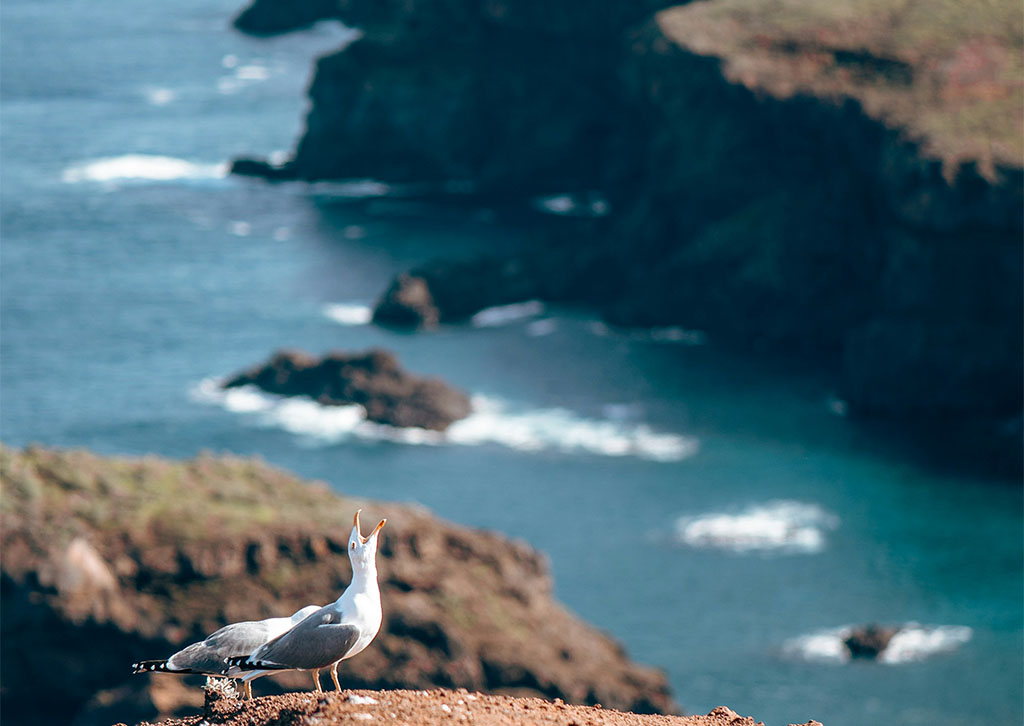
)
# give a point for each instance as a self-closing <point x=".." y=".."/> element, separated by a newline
<point x="333" y="633"/>
<point x="208" y="656"/>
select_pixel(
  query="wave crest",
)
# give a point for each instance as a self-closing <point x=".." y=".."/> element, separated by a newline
<point x="780" y="526"/>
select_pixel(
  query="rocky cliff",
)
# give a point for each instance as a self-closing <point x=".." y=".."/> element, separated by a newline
<point x="106" y="561"/>
<point x="839" y="180"/>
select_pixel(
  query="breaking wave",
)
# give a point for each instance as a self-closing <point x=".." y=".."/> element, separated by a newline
<point x="492" y="422"/>
<point x="505" y="314"/>
<point x="349" y="313"/>
<point x="141" y="168"/>
<point x="779" y="526"/>
<point x="912" y="643"/>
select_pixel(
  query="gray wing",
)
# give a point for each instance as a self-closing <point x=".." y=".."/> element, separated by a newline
<point x="231" y="640"/>
<point x="316" y="642"/>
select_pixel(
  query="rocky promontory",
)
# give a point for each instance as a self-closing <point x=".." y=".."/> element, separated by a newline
<point x="373" y="380"/>
<point x="106" y="561"/>
<point x="843" y="182"/>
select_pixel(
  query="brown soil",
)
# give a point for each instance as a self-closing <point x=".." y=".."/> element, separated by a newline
<point x="426" y="708"/>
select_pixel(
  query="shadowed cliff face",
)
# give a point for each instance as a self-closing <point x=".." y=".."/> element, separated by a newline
<point x="108" y="561"/>
<point x="805" y="180"/>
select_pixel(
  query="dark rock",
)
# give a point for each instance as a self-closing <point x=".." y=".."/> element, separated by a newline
<point x="374" y="380"/>
<point x="270" y="17"/>
<point x="453" y="291"/>
<point x="408" y="303"/>
<point x="869" y="641"/>
<point x="262" y="169"/>
<point x="194" y="545"/>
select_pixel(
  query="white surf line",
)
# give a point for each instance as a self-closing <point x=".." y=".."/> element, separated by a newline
<point x="492" y="422"/>
<point x="667" y="334"/>
<point x="353" y="313"/>
<point x="141" y="168"/>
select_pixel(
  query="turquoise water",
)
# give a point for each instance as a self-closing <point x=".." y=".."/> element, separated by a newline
<point x="650" y="470"/>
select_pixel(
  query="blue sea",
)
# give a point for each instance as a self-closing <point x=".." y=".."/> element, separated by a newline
<point x="718" y="514"/>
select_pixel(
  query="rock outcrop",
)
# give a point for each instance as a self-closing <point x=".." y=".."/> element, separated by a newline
<point x="868" y="641"/>
<point x="106" y="561"/>
<point x="846" y="185"/>
<point x="373" y="380"/>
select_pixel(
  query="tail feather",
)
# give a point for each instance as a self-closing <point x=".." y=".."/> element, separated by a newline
<point x="151" y="666"/>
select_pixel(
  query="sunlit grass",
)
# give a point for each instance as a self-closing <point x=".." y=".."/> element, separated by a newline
<point x="949" y="73"/>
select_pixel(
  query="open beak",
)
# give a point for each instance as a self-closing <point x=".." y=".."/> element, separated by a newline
<point x="355" y="522"/>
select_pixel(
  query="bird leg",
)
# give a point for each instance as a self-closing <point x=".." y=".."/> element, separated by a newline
<point x="334" y="676"/>
<point x="248" y="689"/>
<point x="316" y="680"/>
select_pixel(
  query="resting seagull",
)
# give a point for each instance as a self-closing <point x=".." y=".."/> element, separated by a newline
<point x="207" y="657"/>
<point x="333" y="633"/>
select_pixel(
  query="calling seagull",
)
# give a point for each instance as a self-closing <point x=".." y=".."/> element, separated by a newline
<point x="312" y="639"/>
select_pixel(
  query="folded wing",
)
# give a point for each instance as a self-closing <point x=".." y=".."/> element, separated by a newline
<point x="316" y="642"/>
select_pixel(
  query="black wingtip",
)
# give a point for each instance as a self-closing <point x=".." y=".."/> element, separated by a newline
<point x="242" y="663"/>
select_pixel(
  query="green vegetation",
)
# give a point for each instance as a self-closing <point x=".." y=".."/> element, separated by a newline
<point x="193" y="498"/>
<point x="949" y="73"/>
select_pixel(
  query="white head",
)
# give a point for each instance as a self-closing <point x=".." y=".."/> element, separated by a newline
<point x="363" y="550"/>
<point x="299" y="615"/>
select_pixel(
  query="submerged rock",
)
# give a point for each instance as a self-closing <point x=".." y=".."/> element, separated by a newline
<point x="373" y="380"/>
<point x="191" y="546"/>
<point x="868" y="641"/>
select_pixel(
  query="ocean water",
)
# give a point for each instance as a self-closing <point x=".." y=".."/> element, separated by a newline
<point x="716" y="514"/>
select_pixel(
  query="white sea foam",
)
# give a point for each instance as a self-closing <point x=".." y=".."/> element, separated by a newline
<point x="240" y="228"/>
<point x="668" y="334"/>
<point x="349" y="313"/>
<point x="141" y="168"/>
<point x="160" y="96"/>
<point x="242" y="75"/>
<point x="505" y="314"/>
<point x="916" y="642"/>
<point x="492" y="422"/>
<point x="777" y="526"/>
<point x="913" y="642"/>
<point x="351" y="189"/>
<point x="577" y="205"/>
<point x="542" y="327"/>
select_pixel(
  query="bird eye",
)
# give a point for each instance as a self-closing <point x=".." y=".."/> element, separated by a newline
<point x="352" y="545"/>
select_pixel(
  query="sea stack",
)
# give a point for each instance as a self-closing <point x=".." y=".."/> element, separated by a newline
<point x="373" y="380"/>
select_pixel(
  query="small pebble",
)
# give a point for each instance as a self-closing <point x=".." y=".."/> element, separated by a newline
<point x="446" y="708"/>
